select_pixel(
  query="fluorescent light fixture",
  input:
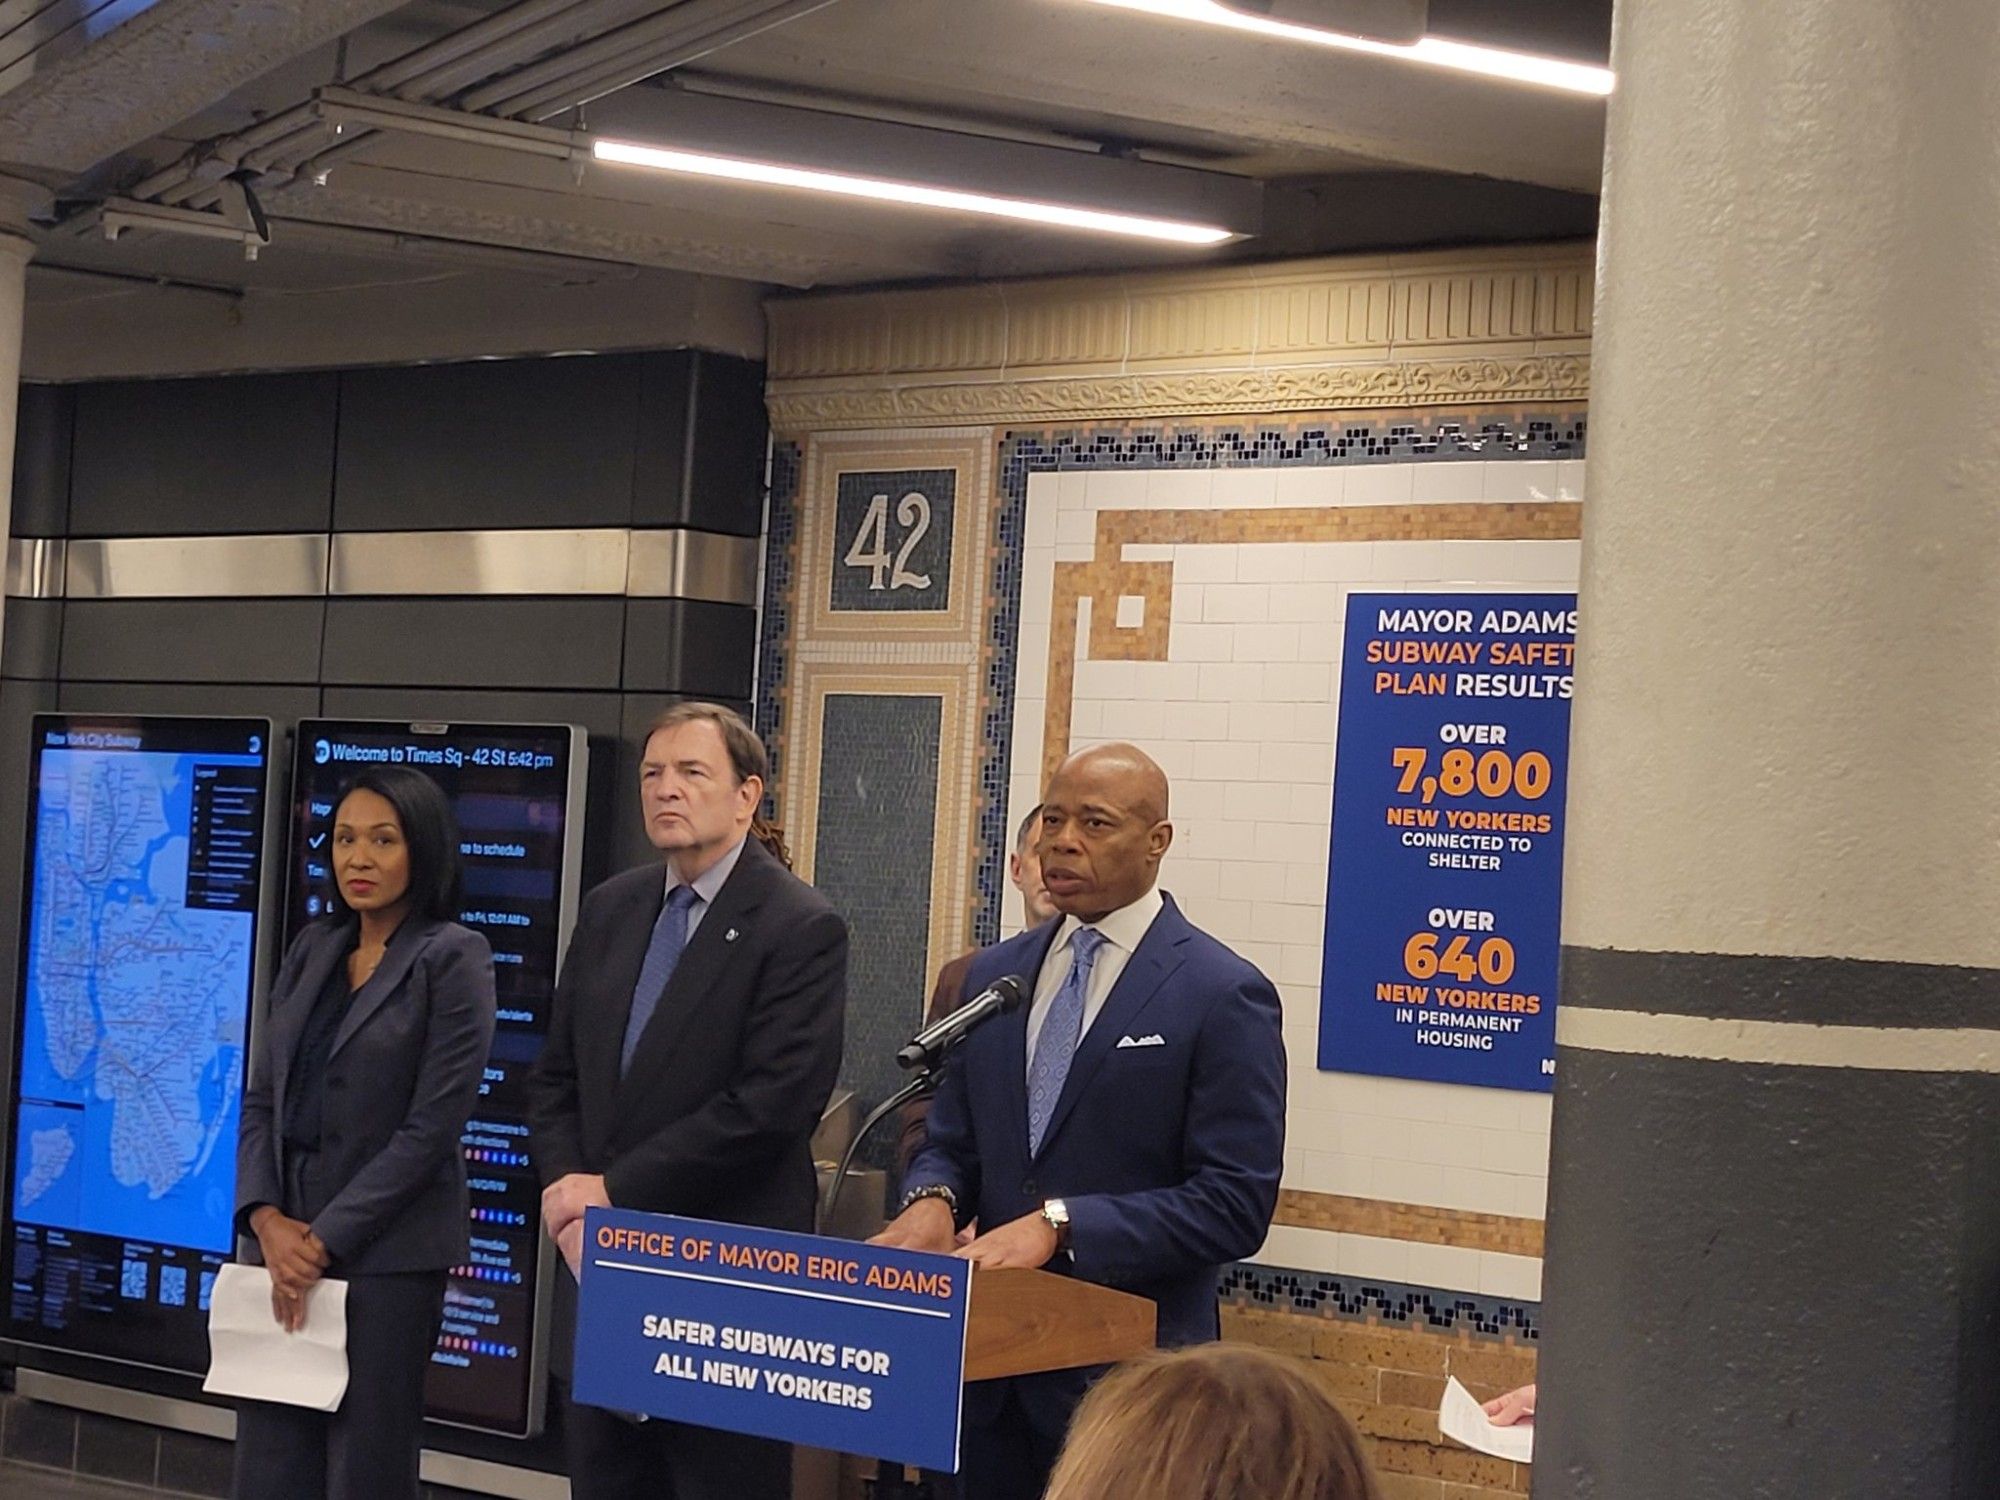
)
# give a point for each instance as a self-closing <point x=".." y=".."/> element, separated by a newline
<point x="1460" y="57"/>
<point x="733" y="169"/>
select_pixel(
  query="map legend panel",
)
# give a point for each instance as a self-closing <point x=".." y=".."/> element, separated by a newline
<point x="225" y="851"/>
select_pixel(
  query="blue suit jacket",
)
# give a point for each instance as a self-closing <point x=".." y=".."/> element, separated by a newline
<point x="1167" y="1155"/>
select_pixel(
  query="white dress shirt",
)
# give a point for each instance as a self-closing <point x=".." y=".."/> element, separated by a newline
<point x="1122" y="931"/>
<point x="708" y="882"/>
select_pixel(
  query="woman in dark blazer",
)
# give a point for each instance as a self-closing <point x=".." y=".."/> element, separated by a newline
<point x="349" y="1164"/>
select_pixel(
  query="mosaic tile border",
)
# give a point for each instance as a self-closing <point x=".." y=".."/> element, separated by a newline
<point x="780" y="562"/>
<point x="1396" y="437"/>
<point x="1390" y="440"/>
<point x="1349" y="1299"/>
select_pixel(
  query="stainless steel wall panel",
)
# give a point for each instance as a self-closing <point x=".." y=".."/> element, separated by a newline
<point x="599" y="562"/>
<point x="198" y="567"/>
<point x="693" y="565"/>
<point x="480" y="562"/>
<point x="35" y="567"/>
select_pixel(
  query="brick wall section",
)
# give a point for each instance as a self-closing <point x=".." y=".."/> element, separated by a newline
<point x="1389" y="1381"/>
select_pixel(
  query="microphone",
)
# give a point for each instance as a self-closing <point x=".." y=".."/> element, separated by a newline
<point x="928" y="1047"/>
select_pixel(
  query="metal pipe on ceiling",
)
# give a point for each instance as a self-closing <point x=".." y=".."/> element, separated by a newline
<point x="489" y="38"/>
<point x="669" y="28"/>
<point x="556" y="99"/>
<point x="366" y="239"/>
<point x="575" y="22"/>
<point x="693" y="39"/>
<point x="300" y="152"/>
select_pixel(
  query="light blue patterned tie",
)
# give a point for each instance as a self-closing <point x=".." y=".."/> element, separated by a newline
<point x="1055" y="1048"/>
<point x="663" y="955"/>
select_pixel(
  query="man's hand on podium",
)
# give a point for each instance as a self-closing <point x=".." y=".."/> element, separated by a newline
<point x="924" y="1225"/>
<point x="565" y="1199"/>
<point x="570" y="1242"/>
<point x="1028" y="1241"/>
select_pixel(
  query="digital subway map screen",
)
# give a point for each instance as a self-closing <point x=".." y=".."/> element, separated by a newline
<point x="517" y="790"/>
<point x="138" y="956"/>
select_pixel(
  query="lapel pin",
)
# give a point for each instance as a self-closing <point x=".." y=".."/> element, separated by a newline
<point x="729" y="936"/>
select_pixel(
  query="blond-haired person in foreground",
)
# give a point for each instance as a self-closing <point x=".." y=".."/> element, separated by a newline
<point x="1214" y="1422"/>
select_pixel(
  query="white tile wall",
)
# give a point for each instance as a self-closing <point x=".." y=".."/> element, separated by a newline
<point x="1243" y="716"/>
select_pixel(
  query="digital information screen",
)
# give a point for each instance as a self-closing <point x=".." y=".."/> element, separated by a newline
<point x="518" y="792"/>
<point x="137" y="966"/>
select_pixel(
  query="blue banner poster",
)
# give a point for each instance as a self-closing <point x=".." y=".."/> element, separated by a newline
<point x="1444" y="888"/>
<point x="789" y="1336"/>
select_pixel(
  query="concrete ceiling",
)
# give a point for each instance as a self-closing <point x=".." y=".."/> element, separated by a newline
<point x="1347" y="151"/>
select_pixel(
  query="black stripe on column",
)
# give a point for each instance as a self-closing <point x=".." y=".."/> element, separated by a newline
<point x="1754" y="987"/>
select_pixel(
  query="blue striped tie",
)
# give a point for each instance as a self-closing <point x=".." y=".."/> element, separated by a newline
<point x="1062" y="1028"/>
<point x="663" y="956"/>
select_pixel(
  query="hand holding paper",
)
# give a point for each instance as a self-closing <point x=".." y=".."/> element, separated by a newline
<point x="252" y="1353"/>
<point x="1464" y="1420"/>
<point x="1517" y="1405"/>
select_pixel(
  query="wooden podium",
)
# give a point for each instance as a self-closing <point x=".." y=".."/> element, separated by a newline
<point x="1021" y="1322"/>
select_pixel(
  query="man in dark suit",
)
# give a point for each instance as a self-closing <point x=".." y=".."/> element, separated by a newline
<point x="694" y="1042"/>
<point x="1127" y="1127"/>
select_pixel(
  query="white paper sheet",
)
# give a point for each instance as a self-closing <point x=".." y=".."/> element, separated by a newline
<point x="251" y="1354"/>
<point x="1464" y="1420"/>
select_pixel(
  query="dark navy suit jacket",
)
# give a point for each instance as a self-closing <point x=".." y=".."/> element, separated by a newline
<point x="1167" y="1154"/>
<point x="403" y="1077"/>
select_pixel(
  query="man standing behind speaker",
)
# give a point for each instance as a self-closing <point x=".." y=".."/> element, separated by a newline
<point x="1024" y="871"/>
<point x="695" y="1038"/>
<point x="1126" y="1128"/>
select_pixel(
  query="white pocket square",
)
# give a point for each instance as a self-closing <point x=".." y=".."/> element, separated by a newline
<point x="1155" y="1040"/>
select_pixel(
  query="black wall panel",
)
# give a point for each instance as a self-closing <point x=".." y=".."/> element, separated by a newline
<point x="533" y="442"/>
<point x="31" y="638"/>
<point x="159" y="457"/>
<point x="192" y="640"/>
<point x="689" y="646"/>
<point x="44" y="426"/>
<point x="701" y="444"/>
<point x="533" y="643"/>
<point x="283" y="705"/>
<point x="726" y="476"/>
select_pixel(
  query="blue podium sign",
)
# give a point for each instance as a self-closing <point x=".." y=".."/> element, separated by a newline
<point x="788" y="1336"/>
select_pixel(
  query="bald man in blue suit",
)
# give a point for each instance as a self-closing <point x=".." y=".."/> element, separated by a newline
<point x="1126" y="1128"/>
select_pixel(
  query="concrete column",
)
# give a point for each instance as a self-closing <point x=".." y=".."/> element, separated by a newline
<point x="17" y="200"/>
<point x="1774" y="1230"/>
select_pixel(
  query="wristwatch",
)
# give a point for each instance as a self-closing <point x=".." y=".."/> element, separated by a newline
<point x="931" y="1190"/>
<point x="1055" y="1214"/>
